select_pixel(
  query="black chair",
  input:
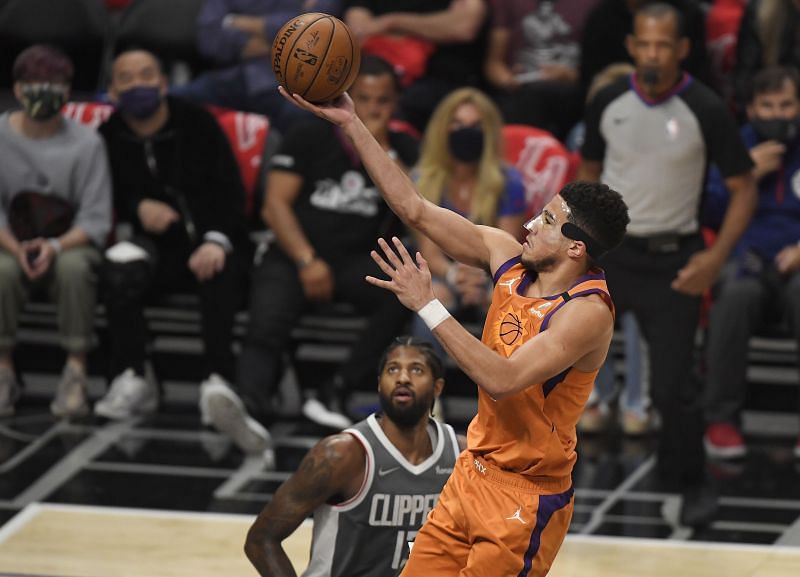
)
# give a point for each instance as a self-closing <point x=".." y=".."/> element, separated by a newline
<point x="168" y="28"/>
<point x="79" y="27"/>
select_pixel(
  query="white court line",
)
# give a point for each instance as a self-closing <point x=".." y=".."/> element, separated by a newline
<point x="597" y="516"/>
<point x="18" y="521"/>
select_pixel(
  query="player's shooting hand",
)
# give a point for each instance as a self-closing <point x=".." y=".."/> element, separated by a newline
<point x="317" y="281"/>
<point x="207" y="261"/>
<point x="699" y="273"/>
<point x="340" y="111"/>
<point x="409" y="280"/>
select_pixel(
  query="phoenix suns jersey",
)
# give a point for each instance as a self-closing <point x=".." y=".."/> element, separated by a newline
<point x="370" y="535"/>
<point x="533" y="431"/>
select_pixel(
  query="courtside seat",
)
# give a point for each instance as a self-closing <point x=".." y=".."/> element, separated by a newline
<point x="546" y="165"/>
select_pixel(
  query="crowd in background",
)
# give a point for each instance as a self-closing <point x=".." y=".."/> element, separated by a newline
<point x="439" y="82"/>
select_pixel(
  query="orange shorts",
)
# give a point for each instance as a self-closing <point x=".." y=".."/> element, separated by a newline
<point x="492" y="523"/>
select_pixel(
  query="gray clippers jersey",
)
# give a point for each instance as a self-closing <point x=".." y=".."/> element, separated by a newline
<point x="369" y="535"/>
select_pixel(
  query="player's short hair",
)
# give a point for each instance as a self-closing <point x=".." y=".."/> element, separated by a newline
<point x="372" y="65"/>
<point x="771" y="79"/>
<point x="598" y="211"/>
<point x="43" y="63"/>
<point x="424" y="347"/>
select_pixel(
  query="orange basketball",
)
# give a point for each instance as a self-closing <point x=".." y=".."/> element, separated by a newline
<point x="316" y="56"/>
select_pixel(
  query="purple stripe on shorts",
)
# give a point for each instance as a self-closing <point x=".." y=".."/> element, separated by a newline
<point x="548" y="505"/>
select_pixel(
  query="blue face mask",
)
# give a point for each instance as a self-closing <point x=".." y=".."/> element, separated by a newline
<point x="140" y="101"/>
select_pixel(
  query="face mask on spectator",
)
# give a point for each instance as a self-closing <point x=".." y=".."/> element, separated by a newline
<point x="466" y="144"/>
<point x="42" y="100"/>
<point x="779" y="129"/>
<point x="140" y="101"/>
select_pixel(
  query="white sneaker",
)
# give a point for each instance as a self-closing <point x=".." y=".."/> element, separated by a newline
<point x="314" y="410"/>
<point x="128" y="395"/>
<point x="222" y="408"/>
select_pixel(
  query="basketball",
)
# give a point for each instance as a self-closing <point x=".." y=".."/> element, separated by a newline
<point x="316" y="56"/>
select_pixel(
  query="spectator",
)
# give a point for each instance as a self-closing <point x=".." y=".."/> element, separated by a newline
<point x="462" y="168"/>
<point x="55" y="213"/>
<point x="760" y="282"/>
<point x="178" y="186"/>
<point x="533" y="59"/>
<point x="455" y="30"/>
<point x="611" y="21"/>
<point x="238" y="34"/>
<point x="412" y="454"/>
<point x="768" y="36"/>
<point x="650" y="136"/>
<point x="326" y="214"/>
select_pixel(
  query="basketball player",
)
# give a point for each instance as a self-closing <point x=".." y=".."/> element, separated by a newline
<point x="508" y="504"/>
<point x="371" y="486"/>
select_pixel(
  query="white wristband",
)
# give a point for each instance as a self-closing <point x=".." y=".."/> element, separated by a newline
<point x="433" y="314"/>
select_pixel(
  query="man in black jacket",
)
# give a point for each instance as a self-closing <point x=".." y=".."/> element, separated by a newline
<point x="177" y="184"/>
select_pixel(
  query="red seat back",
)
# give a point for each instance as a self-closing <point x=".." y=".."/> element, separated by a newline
<point x="545" y="164"/>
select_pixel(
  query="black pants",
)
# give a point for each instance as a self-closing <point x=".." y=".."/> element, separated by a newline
<point x="129" y="286"/>
<point x="277" y="301"/>
<point x="639" y="281"/>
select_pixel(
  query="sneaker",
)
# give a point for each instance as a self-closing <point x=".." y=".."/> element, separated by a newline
<point x="316" y="411"/>
<point x="128" y="395"/>
<point x="636" y="423"/>
<point x="70" y="398"/>
<point x="9" y="391"/>
<point x="225" y="411"/>
<point x="724" y="441"/>
<point x="699" y="506"/>
<point x="595" y="419"/>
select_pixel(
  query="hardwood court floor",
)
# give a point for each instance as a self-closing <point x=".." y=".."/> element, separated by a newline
<point x="77" y="541"/>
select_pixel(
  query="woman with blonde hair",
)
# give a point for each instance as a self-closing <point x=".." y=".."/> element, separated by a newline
<point x="461" y="167"/>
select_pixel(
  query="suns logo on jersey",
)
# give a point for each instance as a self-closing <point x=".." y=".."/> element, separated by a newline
<point x="510" y="329"/>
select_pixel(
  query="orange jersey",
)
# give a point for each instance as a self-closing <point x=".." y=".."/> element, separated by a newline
<point x="533" y="431"/>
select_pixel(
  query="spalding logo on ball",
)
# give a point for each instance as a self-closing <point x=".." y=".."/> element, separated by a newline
<point x="316" y="56"/>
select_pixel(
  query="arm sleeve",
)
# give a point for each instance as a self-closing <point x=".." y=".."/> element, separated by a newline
<point x="724" y="141"/>
<point x="93" y="187"/>
<point x="214" y="41"/>
<point x="293" y="153"/>
<point x="594" y="145"/>
<point x="512" y="202"/>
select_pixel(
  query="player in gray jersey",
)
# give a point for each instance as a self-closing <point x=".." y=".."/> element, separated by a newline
<point x="371" y="486"/>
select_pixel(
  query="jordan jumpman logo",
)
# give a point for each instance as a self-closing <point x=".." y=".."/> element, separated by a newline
<point x="517" y="517"/>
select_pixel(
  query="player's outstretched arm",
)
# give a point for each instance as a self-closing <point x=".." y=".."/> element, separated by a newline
<point x="454" y="234"/>
<point x="327" y="471"/>
<point x="578" y="335"/>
